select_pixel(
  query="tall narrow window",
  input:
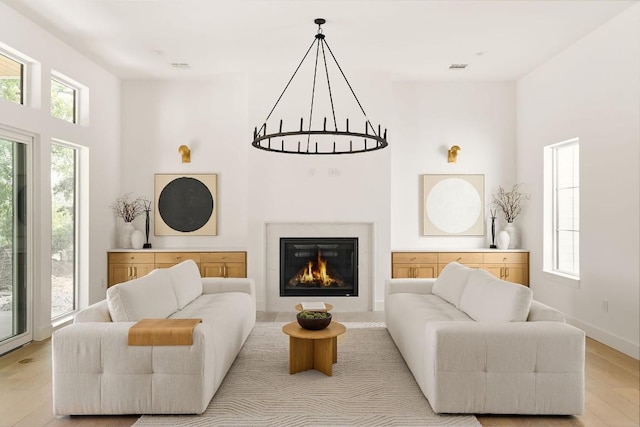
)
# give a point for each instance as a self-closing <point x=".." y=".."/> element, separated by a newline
<point x="15" y="300"/>
<point x="565" y="206"/>
<point x="63" y="100"/>
<point x="63" y="229"/>
<point x="11" y="79"/>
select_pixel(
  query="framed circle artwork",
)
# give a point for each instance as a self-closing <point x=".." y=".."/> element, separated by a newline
<point x="453" y="205"/>
<point x="186" y="204"/>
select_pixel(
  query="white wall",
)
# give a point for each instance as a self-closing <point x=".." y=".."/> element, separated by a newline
<point x="591" y="91"/>
<point x="208" y="116"/>
<point x="430" y="117"/>
<point x="100" y="135"/>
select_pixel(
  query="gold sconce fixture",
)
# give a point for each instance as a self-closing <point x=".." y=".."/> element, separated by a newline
<point x="453" y="154"/>
<point x="185" y="153"/>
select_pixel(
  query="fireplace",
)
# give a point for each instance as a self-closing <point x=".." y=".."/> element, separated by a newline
<point x="318" y="266"/>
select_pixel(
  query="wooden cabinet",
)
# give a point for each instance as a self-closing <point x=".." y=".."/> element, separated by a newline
<point x="510" y="266"/>
<point x="470" y="259"/>
<point x="168" y="259"/>
<point x="414" y="264"/>
<point x="125" y="266"/>
<point x="223" y="264"/>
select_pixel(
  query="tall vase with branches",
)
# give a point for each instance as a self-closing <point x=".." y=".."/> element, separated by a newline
<point x="128" y="209"/>
<point x="510" y="203"/>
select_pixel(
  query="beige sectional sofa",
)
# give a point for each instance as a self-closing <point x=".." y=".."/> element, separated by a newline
<point x="95" y="371"/>
<point x="477" y="344"/>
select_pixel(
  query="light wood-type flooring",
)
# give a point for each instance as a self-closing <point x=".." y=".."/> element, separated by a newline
<point x="612" y="388"/>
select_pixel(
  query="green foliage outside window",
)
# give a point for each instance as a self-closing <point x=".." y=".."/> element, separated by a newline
<point x="6" y="193"/>
<point x="63" y="101"/>
<point x="11" y="89"/>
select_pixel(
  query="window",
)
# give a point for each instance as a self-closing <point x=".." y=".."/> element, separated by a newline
<point x="63" y="100"/>
<point x="11" y="79"/>
<point x="562" y="163"/>
<point x="63" y="229"/>
<point x="15" y="239"/>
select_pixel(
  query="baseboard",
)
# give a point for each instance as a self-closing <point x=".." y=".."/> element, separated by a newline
<point x="605" y="337"/>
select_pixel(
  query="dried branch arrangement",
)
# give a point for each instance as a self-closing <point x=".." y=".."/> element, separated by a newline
<point x="129" y="209"/>
<point x="510" y="201"/>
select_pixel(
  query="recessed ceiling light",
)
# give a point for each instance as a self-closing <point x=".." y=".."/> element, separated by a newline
<point x="180" y="65"/>
<point x="458" y="66"/>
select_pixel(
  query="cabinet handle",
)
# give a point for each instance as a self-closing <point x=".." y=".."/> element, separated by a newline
<point x="501" y="272"/>
<point x="459" y="259"/>
<point x="504" y="259"/>
<point x="506" y="272"/>
<point x="416" y="272"/>
<point x="220" y="273"/>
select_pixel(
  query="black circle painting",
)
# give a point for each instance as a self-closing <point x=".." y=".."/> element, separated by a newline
<point x="186" y="204"/>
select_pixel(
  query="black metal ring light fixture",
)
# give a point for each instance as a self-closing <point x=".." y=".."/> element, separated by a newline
<point x="349" y="142"/>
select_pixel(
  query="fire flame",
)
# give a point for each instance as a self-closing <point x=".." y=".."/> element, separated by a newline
<point x="316" y="273"/>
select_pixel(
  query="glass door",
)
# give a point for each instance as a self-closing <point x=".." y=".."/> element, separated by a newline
<point x="15" y="301"/>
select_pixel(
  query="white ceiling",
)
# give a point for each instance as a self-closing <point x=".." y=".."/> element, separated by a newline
<point x="500" y="40"/>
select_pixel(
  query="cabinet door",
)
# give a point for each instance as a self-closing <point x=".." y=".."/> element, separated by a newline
<point x="516" y="273"/>
<point x="119" y="273"/>
<point x="235" y="269"/>
<point x="212" y="269"/>
<point x="222" y="269"/>
<point x="403" y="271"/>
<point x="223" y="264"/>
<point x="423" y="271"/>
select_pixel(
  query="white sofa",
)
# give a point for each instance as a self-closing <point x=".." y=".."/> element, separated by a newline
<point x="477" y="344"/>
<point x="95" y="371"/>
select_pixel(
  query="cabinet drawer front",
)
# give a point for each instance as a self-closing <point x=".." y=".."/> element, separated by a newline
<point x="461" y="257"/>
<point x="130" y="257"/>
<point x="414" y="257"/>
<point x="223" y="257"/>
<point x="176" y="257"/>
<point x="506" y="257"/>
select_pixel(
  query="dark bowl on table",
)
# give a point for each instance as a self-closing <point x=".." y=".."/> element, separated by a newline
<point x="314" y="324"/>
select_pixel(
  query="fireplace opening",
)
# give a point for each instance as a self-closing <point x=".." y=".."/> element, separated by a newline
<point x="318" y="266"/>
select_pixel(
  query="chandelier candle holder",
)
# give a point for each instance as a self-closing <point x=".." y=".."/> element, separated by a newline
<point x="332" y="140"/>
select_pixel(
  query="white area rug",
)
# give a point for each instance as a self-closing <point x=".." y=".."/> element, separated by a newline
<point x="371" y="386"/>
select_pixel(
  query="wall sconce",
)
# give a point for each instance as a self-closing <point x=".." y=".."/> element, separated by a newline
<point x="453" y="154"/>
<point x="185" y="153"/>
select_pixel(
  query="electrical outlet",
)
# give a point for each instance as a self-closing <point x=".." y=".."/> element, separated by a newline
<point x="605" y="306"/>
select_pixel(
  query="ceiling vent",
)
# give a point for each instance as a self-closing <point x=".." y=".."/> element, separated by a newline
<point x="458" y="66"/>
<point x="180" y="65"/>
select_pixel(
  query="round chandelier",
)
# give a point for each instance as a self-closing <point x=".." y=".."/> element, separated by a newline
<point x="325" y="140"/>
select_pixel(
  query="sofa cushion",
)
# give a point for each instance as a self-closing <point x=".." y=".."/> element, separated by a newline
<point x="486" y="298"/>
<point x="451" y="283"/>
<point x="150" y="296"/>
<point x="186" y="282"/>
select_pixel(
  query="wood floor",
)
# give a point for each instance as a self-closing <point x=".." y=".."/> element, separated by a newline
<point x="612" y="388"/>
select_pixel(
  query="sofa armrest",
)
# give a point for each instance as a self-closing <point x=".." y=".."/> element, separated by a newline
<point x="409" y="286"/>
<point x="216" y="285"/>
<point x="95" y="371"/>
<point x="545" y="359"/>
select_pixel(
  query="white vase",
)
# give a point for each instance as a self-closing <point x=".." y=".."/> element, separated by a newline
<point x="125" y="235"/>
<point x="514" y="237"/>
<point x="502" y="241"/>
<point x="137" y="239"/>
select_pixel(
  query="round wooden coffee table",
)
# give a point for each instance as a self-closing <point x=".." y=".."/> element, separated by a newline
<point x="313" y="349"/>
